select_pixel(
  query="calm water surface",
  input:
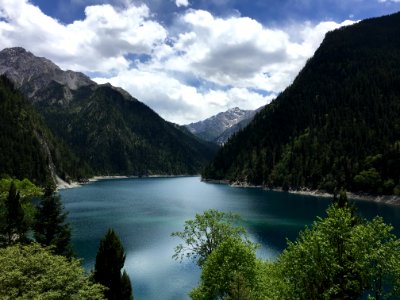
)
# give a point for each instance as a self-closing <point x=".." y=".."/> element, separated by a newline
<point x="144" y="212"/>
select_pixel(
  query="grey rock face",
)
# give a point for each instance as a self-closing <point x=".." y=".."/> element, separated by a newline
<point x="33" y="74"/>
<point x="220" y="127"/>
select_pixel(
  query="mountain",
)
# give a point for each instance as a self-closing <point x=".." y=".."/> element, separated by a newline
<point x="28" y="149"/>
<point x="220" y="127"/>
<point x="33" y="75"/>
<point x="337" y="125"/>
<point x="103" y="125"/>
<point x="226" y="135"/>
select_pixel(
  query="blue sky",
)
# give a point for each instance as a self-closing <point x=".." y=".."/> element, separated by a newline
<point x="267" y="12"/>
<point x="186" y="59"/>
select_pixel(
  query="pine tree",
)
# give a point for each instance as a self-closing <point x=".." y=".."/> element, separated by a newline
<point x="110" y="260"/>
<point x="126" y="287"/>
<point x="50" y="227"/>
<point x="16" y="227"/>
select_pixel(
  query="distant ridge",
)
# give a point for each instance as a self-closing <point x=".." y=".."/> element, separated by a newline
<point x="103" y="125"/>
<point x="221" y="127"/>
<point x="338" y="124"/>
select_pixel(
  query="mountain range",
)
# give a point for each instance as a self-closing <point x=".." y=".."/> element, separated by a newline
<point x="221" y="127"/>
<point x="103" y="126"/>
<point x="336" y="127"/>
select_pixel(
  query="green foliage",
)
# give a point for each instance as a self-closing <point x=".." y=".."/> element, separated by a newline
<point x="27" y="146"/>
<point x="32" y="272"/>
<point x="27" y="191"/>
<point x="368" y="180"/>
<point x="116" y="134"/>
<point x="337" y="258"/>
<point x="338" y="124"/>
<point x="110" y="260"/>
<point x="126" y="287"/>
<point x="342" y="200"/>
<point x="321" y="263"/>
<point x="269" y="284"/>
<point x="50" y="228"/>
<point x="25" y="187"/>
<point x="229" y="271"/>
<point x="396" y="190"/>
<point x="204" y="233"/>
<point x="377" y="251"/>
<point x="15" y="226"/>
<point x="340" y="256"/>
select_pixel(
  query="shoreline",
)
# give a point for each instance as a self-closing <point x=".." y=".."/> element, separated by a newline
<point x="384" y="199"/>
<point x="62" y="185"/>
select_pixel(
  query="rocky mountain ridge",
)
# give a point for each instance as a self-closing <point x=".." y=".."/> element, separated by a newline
<point x="32" y="74"/>
<point x="220" y="127"/>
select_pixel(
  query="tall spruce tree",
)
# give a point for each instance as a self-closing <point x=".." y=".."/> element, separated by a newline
<point x="110" y="260"/>
<point x="126" y="287"/>
<point x="15" y="227"/>
<point x="50" y="226"/>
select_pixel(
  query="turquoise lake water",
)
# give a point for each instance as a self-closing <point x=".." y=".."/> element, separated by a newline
<point x="145" y="212"/>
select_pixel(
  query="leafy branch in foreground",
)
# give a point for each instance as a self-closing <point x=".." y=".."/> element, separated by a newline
<point x="229" y="271"/>
<point x="33" y="272"/>
<point x="341" y="256"/>
<point x="205" y="233"/>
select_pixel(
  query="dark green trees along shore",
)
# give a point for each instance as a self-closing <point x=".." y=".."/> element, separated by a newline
<point x="338" y="124"/>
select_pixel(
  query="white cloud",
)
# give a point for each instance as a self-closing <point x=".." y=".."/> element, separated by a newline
<point x="239" y="51"/>
<point x="180" y="3"/>
<point x="179" y="102"/>
<point x="96" y="44"/>
<point x="201" y="66"/>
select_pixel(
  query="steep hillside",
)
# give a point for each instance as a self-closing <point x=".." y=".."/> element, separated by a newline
<point x="220" y="127"/>
<point x="106" y="127"/>
<point x="27" y="147"/>
<point x="336" y="126"/>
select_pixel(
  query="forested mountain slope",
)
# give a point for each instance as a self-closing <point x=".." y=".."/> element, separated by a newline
<point x="28" y="149"/>
<point x="336" y="126"/>
<point x="103" y="125"/>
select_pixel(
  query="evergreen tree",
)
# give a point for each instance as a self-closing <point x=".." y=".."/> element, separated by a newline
<point x="110" y="259"/>
<point x="15" y="227"/>
<point x="23" y="135"/>
<point x="50" y="227"/>
<point x="336" y="126"/>
<point x="126" y="287"/>
<point x="342" y="200"/>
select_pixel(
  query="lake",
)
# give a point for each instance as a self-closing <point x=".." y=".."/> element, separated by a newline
<point x="145" y="211"/>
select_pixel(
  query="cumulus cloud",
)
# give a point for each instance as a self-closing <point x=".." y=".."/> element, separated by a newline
<point x="98" y="43"/>
<point x="239" y="51"/>
<point x="180" y="3"/>
<point x="201" y="66"/>
<point x="180" y="102"/>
